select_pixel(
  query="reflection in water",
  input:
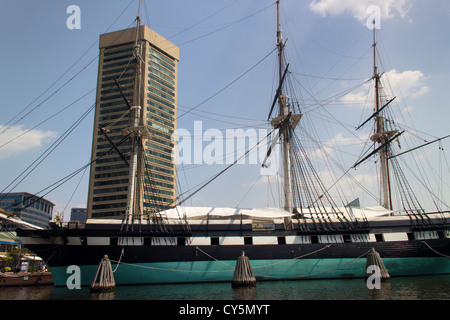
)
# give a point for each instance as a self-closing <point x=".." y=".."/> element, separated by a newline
<point x="415" y="288"/>
<point x="26" y="293"/>
<point x="244" y="293"/>
<point x="383" y="293"/>
<point x="109" y="295"/>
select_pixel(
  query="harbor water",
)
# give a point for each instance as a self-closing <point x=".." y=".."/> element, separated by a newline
<point x="401" y="288"/>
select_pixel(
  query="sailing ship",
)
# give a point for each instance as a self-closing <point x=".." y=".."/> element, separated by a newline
<point x="311" y="237"/>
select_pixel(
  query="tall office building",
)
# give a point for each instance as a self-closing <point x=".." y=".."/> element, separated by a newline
<point x="28" y="207"/>
<point x="157" y="98"/>
<point x="78" y="214"/>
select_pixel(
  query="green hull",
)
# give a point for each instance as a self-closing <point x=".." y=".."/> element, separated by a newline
<point x="216" y="271"/>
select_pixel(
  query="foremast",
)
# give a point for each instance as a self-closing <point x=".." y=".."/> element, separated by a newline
<point x="137" y="132"/>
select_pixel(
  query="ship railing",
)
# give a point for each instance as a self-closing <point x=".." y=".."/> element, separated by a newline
<point x="75" y="225"/>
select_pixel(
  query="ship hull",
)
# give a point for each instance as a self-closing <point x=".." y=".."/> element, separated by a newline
<point x="207" y="251"/>
<point x="213" y="271"/>
<point x="138" y="262"/>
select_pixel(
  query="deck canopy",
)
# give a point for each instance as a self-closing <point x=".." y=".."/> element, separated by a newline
<point x="267" y="213"/>
<point x="228" y="213"/>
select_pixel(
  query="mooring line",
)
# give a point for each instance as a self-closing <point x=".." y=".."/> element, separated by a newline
<point x="118" y="262"/>
<point x="208" y="255"/>
<point x="165" y="269"/>
<point x="305" y="255"/>
<point x="313" y="274"/>
<point x="435" y="250"/>
<point x="197" y="248"/>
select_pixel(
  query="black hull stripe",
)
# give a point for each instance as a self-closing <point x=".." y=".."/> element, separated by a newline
<point x="64" y="255"/>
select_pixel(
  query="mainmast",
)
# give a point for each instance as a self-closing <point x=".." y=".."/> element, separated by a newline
<point x="283" y="103"/>
<point x="381" y="136"/>
<point x="285" y="121"/>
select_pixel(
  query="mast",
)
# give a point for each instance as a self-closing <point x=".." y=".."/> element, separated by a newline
<point x="280" y="46"/>
<point x="134" y="199"/>
<point x="283" y="103"/>
<point x="381" y="136"/>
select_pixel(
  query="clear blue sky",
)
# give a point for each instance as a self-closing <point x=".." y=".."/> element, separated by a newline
<point x="218" y="41"/>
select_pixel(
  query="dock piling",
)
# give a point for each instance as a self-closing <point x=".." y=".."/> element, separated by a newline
<point x="374" y="259"/>
<point x="243" y="273"/>
<point x="104" y="277"/>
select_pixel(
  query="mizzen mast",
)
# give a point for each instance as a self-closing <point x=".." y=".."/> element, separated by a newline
<point x="381" y="135"/>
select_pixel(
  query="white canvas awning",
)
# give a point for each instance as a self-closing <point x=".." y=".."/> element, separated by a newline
<point x="353" y="212"/>
<point x="183" y="212"/>
<point x="369" y="212"/>
<point x="216" y="212"/>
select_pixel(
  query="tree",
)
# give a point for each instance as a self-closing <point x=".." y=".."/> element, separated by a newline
<point x="14" y="257"/>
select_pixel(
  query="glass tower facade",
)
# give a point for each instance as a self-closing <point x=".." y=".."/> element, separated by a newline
<point x="109" y="175"/>
<point x="28" y="207"/>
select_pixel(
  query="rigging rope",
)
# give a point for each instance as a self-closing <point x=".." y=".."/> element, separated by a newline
<point x="218" y="174"/>
<point x="63" y="180"/>
<point x="50" y="149"/>
<point x="224" y="27"/>
<point x="66" y="83"/>
<point x="228" y="85"/>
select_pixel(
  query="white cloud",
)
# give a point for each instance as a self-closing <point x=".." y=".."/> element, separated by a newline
<point x="358" y="8"/>
<point x="341" y="140"/>
<point x="410" y="83"/>
<point x="358" y="97"/>
<point x="265" y="180"/>
<point x="16" y="139"/>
